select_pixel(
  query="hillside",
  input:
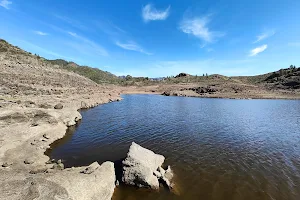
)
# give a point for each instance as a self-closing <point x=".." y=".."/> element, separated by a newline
<point x="24" y="73"/>
<point x="94" y="74"/>
<point x="288" y="78"/>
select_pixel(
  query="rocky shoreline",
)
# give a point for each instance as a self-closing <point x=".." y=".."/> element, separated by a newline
<point x="27" y="130"/>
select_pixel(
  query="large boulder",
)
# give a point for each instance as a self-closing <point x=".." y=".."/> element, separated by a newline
<point x="140" y="166"/>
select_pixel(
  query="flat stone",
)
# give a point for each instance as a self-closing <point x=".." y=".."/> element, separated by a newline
<point x="58" y="106"/>
<point x="58" y="166"/>
<point x="91" y="168"/>
<point x="29" y="161"/>
<point x="7" y="164"/>
<point x="38" y="169"/>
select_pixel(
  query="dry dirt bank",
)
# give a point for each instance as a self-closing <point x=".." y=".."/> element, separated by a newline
<point x="38" y="101"/>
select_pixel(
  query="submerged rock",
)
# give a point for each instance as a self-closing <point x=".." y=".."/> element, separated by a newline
<point x="140" y="167"/>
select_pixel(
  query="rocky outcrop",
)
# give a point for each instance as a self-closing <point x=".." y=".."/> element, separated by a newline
<point x="68" y="184"/>
<point x="142" y="168"/>
<point x="182" y="75"/>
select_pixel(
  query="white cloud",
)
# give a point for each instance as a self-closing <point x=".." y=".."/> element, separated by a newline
<point x="40" y="33"/>
<point x="5" y="3"/>
<point x="72" y="22"/>
<point x="258" y="50"/>
<point x="198" y="28"/>
<point x="72" y="34"/>
<point x="149" y="12"/>
<point x="86" y="46"/>
<point x="132" y="46"/>
<point x="264" y="35"/>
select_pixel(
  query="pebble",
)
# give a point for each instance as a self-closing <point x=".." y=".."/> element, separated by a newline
<point x="28" y="161"/>
<point x="6" y="164"/>
<point x="46" y="136"/>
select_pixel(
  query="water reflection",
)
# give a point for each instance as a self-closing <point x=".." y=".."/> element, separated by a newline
<point x="219" y="148"/>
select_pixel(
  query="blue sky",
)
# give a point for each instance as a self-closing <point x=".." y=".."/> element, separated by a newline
<point x="159" y="38"/>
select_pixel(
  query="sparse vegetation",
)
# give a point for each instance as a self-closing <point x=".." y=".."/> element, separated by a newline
<point x="94" y="74"/>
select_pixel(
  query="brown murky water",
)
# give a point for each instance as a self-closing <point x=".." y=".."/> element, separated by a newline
<point x="219" y="148"/>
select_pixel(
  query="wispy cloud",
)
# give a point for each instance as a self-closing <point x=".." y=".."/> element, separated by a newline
<point x="132" y="46"/>
<point x="198" y="27"/>
<point x="258" y="50"/>
<point x="264" y="35"/>
<point x="116" y="27"/>
<point x="149" y="12"/>
<point x="72" y="34"/>
<point x="5" y="3"/>
<point x="294" y="44"/>
<point x="72" y="22"/>
<point x="87" y="46"/>
<point x="38" y="49"/>
<point x="40" y="33"/>
<point x="110" y="28"/>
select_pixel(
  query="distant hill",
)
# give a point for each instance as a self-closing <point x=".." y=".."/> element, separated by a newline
<point x="94" y="74"/>
<point x="288" y="78"/>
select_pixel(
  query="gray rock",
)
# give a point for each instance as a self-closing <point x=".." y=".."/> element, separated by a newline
<point x="139" y="167"/>
<point x="59" y="161"/>
<point x="167" y="182"/>
<point x="45" y="106"/>
<point x="46" y="136"/>
<point x="29" y="161"/>
<point x="84" y="104"/>
<point x="7" y="164"/>
<point x="58" y="106"/>
<point x="167" y="178"/>
<point x="169" y="173"/>
<point x="91" y="168"/>
<point x="161" y="170"/>
<point x="50" y="161"/>
<point x="34" y="124"/>
<point x="56" y="166"/>
<point x="38" y="169"/>
<point x="157" y="174"/>
<point x="29" y="104"/>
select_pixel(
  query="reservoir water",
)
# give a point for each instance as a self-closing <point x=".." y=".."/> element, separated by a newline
<point x="218" y="148"/>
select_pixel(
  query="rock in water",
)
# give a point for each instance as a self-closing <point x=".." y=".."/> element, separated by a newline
<point x="140" y="165"/>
